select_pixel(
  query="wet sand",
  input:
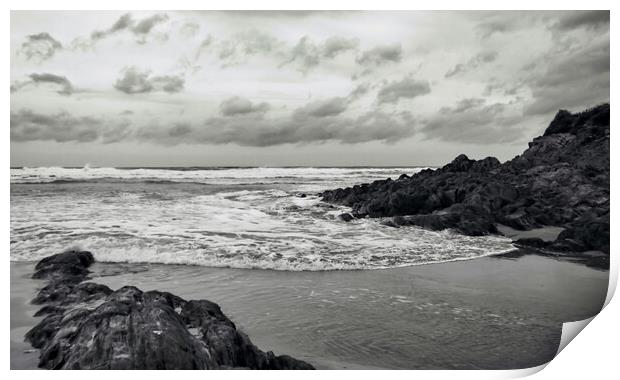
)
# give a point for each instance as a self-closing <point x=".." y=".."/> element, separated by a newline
<point x="547" y="233"/>
<point x="495" y="312"/>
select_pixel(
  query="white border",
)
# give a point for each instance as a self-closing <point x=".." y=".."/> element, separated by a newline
<point x="592" y="355"/>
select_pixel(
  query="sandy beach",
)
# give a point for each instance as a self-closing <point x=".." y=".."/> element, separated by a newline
<point x="490" y="313"/>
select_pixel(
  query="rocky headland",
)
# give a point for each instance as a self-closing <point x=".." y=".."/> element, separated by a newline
<point x="90" y="326"/>
<point x="561" y="180"/>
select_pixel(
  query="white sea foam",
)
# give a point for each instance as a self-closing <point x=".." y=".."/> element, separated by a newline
<point x="51" y="174"/>
<point x="234" y="226"/>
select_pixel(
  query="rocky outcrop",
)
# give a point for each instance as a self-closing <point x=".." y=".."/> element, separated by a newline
<point x="90" y="326"/>
<point x="562" y="179"/>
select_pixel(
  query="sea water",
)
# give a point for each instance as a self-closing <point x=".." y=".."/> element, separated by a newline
<point x="258" y="218"/>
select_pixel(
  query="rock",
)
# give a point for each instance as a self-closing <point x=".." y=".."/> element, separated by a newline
<point x="531" y="242"/>
<point x="70" y="265"/>
<point x="90" y="326"/>
<point x="390" y="223"/>
<point x="346" y="217"/>
<point x="485" y="165"/>
<point x="460" y="164"/>
<point x="561" y="180"/>
<point x="519" y="220"/>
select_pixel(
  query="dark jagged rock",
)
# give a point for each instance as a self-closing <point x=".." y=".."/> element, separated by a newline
<point x="90" y="326"/>
<point x="70" y="266"/>
<point x="346" y="217"/>
<point x="562" y="179"/>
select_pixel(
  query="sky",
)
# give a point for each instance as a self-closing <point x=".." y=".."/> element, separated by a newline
<point x="305" y="88"/>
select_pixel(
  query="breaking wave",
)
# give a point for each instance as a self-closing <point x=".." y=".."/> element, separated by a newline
<point x="246" y="223"/>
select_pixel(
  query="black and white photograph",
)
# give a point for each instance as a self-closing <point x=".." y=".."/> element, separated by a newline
<point x="306" y="189"/>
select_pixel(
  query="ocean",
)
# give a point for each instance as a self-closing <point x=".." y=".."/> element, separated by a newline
<point x="257" y="218"/>
<point x="290" y="273"/>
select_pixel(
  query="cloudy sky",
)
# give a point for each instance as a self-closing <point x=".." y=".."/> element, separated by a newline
<point x="295" y="88"/>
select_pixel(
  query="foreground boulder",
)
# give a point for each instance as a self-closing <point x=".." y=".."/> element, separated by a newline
<point x="90" y="326"/>
<point x="562" y="180"/>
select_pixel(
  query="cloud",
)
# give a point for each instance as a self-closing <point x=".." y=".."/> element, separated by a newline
<point x="305" y="52"/>
<point x="490" y="23"/>
<point x="283" y="14"/>
<point x="144" y="26"/>
<point x="407" y="88"/>
<point x="27" y="125"/>
<point x="189" y="29"/>
<point x="135" y="81"/>
<point x="237" y="49"/>
<point x="359" y="91"/>
<point x="335" y="45"/>
<point x="41" y="46"/>
<point x="472" y="121"/>
<point x="299" y="128"/>
<point x="241" y="106"/>
<point x="574" y="79"/>
<point x="583" y="19"/>
<point x="309" y="54"/>
<point x="140" y="28"/>
<point x="505" y="88"/>
<point x="204" y="45"/>
<point x="475" y="62"/>
<point x="123" y="23"/>
<point x="64" y="85"/>
<point x="488" y="28"/>
<point x="316" y="122"/>
<point x="322" y="108"/>
<point x="380" y="55"/>
<point x="467" y="104"/>
<point x="66" y="88"/>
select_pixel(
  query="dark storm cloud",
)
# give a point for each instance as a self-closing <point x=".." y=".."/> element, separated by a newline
<point x="585" y="19"/>
<point x="299" y="128"/>
<point x="27" y="125"/>
<point x="475" y="62"/>
<point x="380" y="55"/>
<point x="407" y="88"/>
<point x="64" y="85"/>
<point x="241" y="106"/>
<point x="472" y="121"/>
<point x="136" y="81"/>
<point x="573" y="79"/>
<point x="41" y="46"/>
